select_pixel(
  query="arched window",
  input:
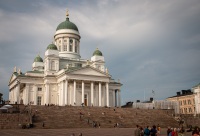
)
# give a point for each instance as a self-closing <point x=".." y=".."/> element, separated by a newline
<point x="53" y="66"/>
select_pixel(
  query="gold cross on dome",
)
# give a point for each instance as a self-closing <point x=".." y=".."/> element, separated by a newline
<point x="67" y="12"/>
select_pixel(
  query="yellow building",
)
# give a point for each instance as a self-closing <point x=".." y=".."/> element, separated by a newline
<point x="186" y="101"/>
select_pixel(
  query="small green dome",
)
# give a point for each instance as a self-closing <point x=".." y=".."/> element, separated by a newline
<point x="52" y="47"/>
<point x="97" y="52"/>
<point x="67" y="25"/>
<point x="38" y="59"/>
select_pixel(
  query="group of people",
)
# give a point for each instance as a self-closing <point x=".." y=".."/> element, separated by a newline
<point x="148" y="131"/>
<point x="175" y="131"/>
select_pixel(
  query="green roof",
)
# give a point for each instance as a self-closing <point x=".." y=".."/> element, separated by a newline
<point x="38" y="59"/>
<point x="52" y="47"/>
<point x="35" y="71"/>
<point x="97" y="52"/>
<point x="67" y="25"/>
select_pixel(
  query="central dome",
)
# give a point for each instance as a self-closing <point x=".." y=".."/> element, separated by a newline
<point x="67" y="25"/>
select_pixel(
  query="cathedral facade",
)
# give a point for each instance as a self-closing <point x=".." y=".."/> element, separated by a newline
<point x="63" y="78"/>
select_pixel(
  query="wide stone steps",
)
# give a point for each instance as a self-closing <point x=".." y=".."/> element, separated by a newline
<point x="70" y="117"/>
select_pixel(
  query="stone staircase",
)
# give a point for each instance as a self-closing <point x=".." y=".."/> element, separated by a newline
<point x="70" y="117"/>
<point x="83" y="117"/>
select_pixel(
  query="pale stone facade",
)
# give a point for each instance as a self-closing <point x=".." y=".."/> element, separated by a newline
<point x="63" y="78"/>
<point x="196" y="90"/>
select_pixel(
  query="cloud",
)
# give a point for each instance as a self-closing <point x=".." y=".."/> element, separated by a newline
<point x="148" y="45"/>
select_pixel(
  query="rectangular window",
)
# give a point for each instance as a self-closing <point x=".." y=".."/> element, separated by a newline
<point x="75" y="48"/>
<point x="39" y="89"/>
<point x="39" y="99"/>
<point x="53" y="66"/>
<point x="65" y="47"/>
<point x="70" y="47"/>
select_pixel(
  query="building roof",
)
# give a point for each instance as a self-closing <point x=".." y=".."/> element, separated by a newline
<point x="191" y="93"/>
<point x="52" y="47"/>
<point x="97" y="52"/>
<point x="67" y="25"/>
<point x="38" y="59"/>
<point x="196" y="85"/>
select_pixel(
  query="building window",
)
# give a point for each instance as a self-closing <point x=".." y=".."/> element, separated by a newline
<point x="75" y="48"/>
<point x="59" y="48"/>
<point x="39" y="89"/>
<point x="65" y="40"/>
<point x="65" y="47"/>
<point x="189" y="102"/>
<point x="184" y="102"/>
<point x="39" y="100"/>
<point x="70" y="47"/>
<point x="53" y="67"/>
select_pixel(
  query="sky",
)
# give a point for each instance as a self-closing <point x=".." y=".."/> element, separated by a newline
<point x="148" y="45"/>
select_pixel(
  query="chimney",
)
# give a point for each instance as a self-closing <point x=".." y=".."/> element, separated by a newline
<point x="178" y="93"/>
<point x="138" y="101"/>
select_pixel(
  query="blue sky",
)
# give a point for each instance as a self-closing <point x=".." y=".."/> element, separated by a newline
<point x="148" y="45"/>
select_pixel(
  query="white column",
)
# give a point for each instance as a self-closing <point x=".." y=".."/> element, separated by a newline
<point x="73" y="45"/>
<point x="47" y="94"/>
<point x="17" y="93"/>
<point x="63" y="94"/>
<point x="107" y="94"/>
<point x="92" y="93"/>
<point x="78" y="48"/>
<point x="74" y="92"/>
<point x="26" y="94"/>
<point x="99" y="93"/>
<point x="83" y="92"/>
<point x="113" y="98"/>
<point x="62" y="44"/>
<point x="66" y="91"/>
<point x="68" y="44"/>
<point x="35" y="94"/>
<point x="47" y="64"/>
<point x="119" y="98"/>
<point x="70" y="95"/>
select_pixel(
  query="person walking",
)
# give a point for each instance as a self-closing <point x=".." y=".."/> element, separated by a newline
<point x="137" y="131"/>
<point x="146" y="131"/>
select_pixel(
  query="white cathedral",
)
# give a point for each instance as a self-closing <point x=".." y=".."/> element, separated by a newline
<point x="63" y="78"/>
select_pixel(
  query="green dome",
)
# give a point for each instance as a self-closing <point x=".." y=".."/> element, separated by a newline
<point x="52" y="47"/>
<point x="67" y="25"/>
<point x="38" y="59"/>
<point x="97" y="52"/>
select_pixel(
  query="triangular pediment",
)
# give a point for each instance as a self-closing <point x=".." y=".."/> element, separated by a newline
<point x="89" y="71"/>
<point x="13" y="77"/>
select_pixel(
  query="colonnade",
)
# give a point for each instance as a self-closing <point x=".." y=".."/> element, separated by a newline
<point x="65" y="46"/>
<point x="64" y="92"/>
<point x="97" y="90"/>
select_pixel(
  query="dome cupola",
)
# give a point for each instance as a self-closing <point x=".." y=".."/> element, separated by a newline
<point x="52" y="47"/>
<point x="38" y="59"/>
<point x="97" y="52"/>
<point x="67" y="25"/>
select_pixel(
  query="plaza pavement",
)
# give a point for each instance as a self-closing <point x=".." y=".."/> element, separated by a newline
<point x="76" y="131"/>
